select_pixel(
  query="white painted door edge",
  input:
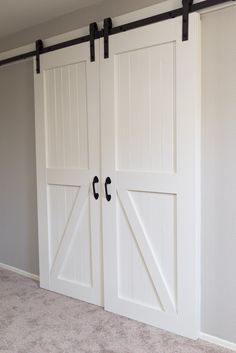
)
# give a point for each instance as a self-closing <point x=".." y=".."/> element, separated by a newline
<point x="218" y="341"/>
<point x="19" y="271"/>
<point x="132" y="16"/>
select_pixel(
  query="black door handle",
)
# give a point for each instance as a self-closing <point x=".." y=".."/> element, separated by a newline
<point x="107" y="182"/>
<point x="95" y="181"/>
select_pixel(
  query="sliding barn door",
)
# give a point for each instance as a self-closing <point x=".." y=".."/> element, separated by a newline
<point x="67" y="142"/>
<point x="150" y="155"/>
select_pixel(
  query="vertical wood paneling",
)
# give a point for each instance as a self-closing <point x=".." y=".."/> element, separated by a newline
<point x="135" y="283"/>
<point x="123" y="121"/>
<point x="66" y="117"/>
<point x="50" y="117"/>
<point x="145" y="117"/>
<point x="157" y="213"/>
<point x="139" y="110"/>
<point x="67" y="141"/>
<point x="61" y="200"/>
<point x="82" y="112"/>
<point x="162" y="105"/>
<point x="74" y="117"/>
<point x="77" y="264"/>
<point x="60" y="118"/>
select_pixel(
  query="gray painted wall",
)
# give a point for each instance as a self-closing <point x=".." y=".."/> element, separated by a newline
<point x="18" y="223"/>
<point x="219" y="174"/>
<point x="18" y="213"/>
<point x="77" y="19"/>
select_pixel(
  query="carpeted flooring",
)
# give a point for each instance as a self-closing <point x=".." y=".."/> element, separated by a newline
<point x="33" y="320"/>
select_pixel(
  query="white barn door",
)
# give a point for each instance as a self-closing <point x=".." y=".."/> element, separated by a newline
<point x="68" y="158"/>
<point x="150" y="151"/>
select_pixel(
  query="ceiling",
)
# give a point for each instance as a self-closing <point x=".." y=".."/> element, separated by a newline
<point x="16" y="15"/>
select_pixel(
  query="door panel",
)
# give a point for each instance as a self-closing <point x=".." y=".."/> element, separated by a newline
<point x="67" y="120"/>
<point x="68" y="158"/>
<point x="145" y="135"/>
<point x="150" y="138"/>
<point x="150" y="111"/>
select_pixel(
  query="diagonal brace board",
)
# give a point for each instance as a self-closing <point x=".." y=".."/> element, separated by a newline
<point x="69" y="231"/>
<point x="148" y="256"/>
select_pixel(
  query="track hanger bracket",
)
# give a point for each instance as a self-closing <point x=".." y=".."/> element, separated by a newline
<point x="39" y="47"/>
<point x="185" y="27"/>
<point x="107" y="25"/>
<point x="93" y="32"/>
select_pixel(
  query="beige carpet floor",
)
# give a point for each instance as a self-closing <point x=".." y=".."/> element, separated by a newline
<point x="33" y="320"/>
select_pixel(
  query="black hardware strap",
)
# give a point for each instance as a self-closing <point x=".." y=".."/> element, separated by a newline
<point x="93" y="32"/>
<point x="186" y="9"/>
<point x="39" y="47"/>
<point x="107" y="24"/>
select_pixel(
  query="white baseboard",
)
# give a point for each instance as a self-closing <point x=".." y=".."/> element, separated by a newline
<point x="218" y="341"/>
<point x="19" y="272"/>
